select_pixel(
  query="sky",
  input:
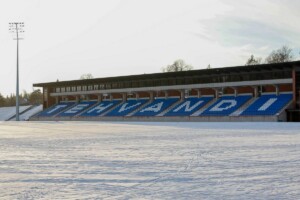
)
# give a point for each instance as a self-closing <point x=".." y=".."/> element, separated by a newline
<point x="64" y="39"/>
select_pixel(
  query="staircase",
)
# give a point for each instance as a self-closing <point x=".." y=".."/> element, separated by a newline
<point x="109" y="110"/>
<point x="170" y="108"/>
<point x="288" y="105"/>
<point x="84" y="110"/>
<point x="67" y="108"/>
<point x="201" y="110"/>
<point x="241" y="109"/>
<point x="139" y="108"/>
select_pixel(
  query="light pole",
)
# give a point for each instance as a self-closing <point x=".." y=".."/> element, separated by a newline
<point x="16" y="28"/>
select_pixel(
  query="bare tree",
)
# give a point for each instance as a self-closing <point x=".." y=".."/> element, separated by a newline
<point x="86" y="76"/>
<point x="284" y="54"/>
<point x="253" y="61"/>
<point x="178" y="65"/>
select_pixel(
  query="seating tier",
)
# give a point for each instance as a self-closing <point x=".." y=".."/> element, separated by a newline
<point x="57" y="108"/>
<point x="269" y="104"/>
<point x="156" y="107"/>
<point x="74" y="110"/>
<point x="226" y="105"/>
<point x="127" y="107"/>
<point x="189" y="106"/>
<point x="100" y="108"/>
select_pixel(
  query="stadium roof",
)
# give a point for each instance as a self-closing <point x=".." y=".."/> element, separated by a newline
<point x="199" y="72"/>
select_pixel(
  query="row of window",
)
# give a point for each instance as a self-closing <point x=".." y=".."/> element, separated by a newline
<point x="79" y="88"/>
<point x="179" y="81"/>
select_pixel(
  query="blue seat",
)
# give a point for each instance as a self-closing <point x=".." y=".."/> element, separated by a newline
<point x="100" y="108"/>
<point x="127" y="107"/>
<point x="156" y="107"/>
<point x="189" y="106"/>
<point x="77" y="108"/>
<point x="226" y="105"/>
<point x="57" y="108"/>
<point x="268" y="104"/>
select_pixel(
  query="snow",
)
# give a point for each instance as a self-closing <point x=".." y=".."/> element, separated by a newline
<point x="29" y="113"/>
<point x="8" y="112"/>
<point x="95" y="160"/>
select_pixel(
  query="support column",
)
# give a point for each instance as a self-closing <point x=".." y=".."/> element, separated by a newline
<point x="151" y="95"/>
<point x="198" y="93"/>
<point x="56" y="100"/>
<point x="186" y="93"/>
<point x="111" y="97"/>
<point x="255" y="91"/>
<point x="235" y="91"/>
<point x="124" y="97"/>
<point x="276" y="89"/>
<point x="216" y="92"/>
<point x="137" y="96"/>
<point x="166" y="94"/>
<point x="182" y="94"/>
<point x="100" y="97"/>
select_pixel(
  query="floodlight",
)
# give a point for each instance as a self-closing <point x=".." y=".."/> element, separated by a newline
<point x="17" y="27"/>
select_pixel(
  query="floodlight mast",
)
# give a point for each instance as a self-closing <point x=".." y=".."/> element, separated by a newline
<point x="17" y="27"/>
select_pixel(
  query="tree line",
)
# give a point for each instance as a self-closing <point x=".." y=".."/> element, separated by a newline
<point x="283" y="54"/>
<point x="26" y="98"/>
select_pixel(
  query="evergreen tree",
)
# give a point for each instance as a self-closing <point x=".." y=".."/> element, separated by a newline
<point x="2" y="100"/>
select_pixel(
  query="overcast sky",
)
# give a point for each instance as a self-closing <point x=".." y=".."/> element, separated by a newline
<point x="67" y="38"/>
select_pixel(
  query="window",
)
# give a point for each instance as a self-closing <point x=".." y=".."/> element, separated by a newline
<point x="101" y="86"/>
<point x="135" y="84"/>
<point x="73" y="89"/>
<point x="180" y="81"/>
<point x="114" y="85"/>
<point x="57" y="90"/>
<point x="164" y="81"/>
<point x="78" y="88"/>
<point x="127" y="84"/>
<point x="108" y="86"/>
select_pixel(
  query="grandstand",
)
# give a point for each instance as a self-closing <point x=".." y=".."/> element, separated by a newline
<point x="268" y="92"/>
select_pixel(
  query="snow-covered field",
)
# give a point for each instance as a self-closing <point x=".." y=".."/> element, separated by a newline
<point x="92" y="160"/>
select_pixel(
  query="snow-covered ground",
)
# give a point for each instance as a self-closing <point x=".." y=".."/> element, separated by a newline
<point x="93" y="160"/>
